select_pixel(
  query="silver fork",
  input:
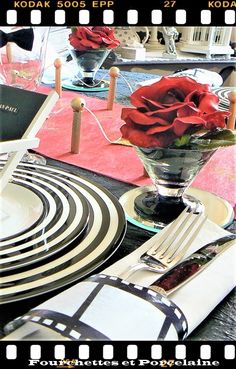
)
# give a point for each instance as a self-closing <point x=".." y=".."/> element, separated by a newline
<point x="171" y="245"/>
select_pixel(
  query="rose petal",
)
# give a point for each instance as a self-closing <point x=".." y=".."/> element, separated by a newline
<point x="216" y="119"/>
<point x="151" y="103"/>
<point x="90" y="44"/>
<point x="180" y="125"/>
<point x="169" y="109"/>
<point x="125" y="113"/>
<point x="158" y="129"/>
<point x="188" y="110"/>
<point x="208" y="102"/>
<point x="141" y="118"/>
<point x="160" y="119"/>
<point x="158" y="90"/>
<point x="167" y="115"/>
<point x="139" y="138"/>
<point x="88" y="31"/>
<point x="75" y="42"/>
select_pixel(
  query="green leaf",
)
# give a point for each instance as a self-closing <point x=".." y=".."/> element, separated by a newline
<point x="182" y="141"/>
<point x="215" y="139"/>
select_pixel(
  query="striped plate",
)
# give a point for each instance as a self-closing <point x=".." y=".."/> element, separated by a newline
<point x="85" y="227"/>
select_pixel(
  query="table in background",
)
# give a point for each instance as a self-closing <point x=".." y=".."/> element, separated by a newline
<point x="225" y="67"/>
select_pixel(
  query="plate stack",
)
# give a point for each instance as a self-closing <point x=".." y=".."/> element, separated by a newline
<point x="223" y="94"/>
<point x="56" y="228"/>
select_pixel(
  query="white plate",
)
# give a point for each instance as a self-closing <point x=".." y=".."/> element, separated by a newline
<point x="20" y="209"/>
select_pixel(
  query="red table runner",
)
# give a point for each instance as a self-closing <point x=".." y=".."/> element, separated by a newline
<point x="118" y="161"/>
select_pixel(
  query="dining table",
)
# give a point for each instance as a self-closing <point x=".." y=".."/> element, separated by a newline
<point x="220" y="324"/>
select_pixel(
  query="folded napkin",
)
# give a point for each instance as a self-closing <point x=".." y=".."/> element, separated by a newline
<point x="202" y="294"/>
<point x="106" y="307"/>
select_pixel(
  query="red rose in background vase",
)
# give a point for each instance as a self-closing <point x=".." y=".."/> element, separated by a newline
<point x="84" y="38"/>
<point x="168" y="109"/>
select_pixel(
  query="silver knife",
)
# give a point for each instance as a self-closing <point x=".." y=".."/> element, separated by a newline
<point x="192" y="266"/>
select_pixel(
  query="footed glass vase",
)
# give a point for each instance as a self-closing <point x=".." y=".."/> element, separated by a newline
<point x="88" y="63"/>
<point x="172" y="171"/>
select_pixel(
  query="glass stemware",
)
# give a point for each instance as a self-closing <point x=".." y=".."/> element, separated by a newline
<point x="172" y="171"/>
<point x="88" y="63"/>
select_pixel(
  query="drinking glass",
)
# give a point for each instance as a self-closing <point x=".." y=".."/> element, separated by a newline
<point x="21" y="67"/>
<point x="22" y="60"/>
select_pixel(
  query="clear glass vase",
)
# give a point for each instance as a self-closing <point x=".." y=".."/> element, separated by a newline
<point x="88" y="63"/>
<point x="172" y="171"/>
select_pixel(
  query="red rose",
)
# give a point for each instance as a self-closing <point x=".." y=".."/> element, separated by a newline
<point x="168" y="109"/>
<point x="84" y="38"/>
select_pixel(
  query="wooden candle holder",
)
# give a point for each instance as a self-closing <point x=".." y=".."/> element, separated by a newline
<point x="77" y="105"/>
<point x="9" y="52"/>
<point x="232" y="109"/>
<point x="57" y="65"/>
<point x="114" y="73"/>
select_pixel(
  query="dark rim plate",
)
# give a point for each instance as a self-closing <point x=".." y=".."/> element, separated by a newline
<point x="69" y="221"/>
<point x="105" y="232"/>
<point x="223" y="94"/>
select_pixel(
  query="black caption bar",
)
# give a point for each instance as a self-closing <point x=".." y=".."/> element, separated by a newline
<point x="118" y="12"/>
<point x="146" y="354"/>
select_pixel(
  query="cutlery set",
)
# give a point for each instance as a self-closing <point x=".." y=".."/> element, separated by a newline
<point x="171" y="245"/>
<point x="165" y="256"/>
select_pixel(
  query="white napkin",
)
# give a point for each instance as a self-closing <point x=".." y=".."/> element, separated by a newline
<point x="196" y="299"/>
<point x="200" y="295"/>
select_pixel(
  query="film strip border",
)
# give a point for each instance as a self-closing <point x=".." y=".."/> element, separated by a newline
<point x="99" y="353"/>
<point x="68" y="12"/>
